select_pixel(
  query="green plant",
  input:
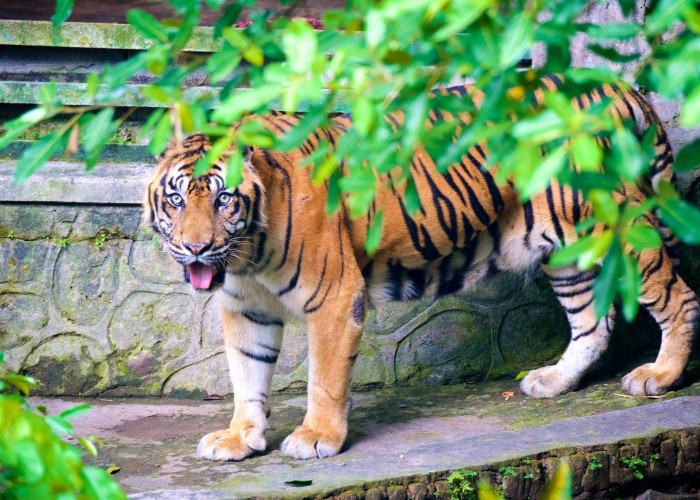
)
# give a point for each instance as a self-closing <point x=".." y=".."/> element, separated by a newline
<point x="529" y="475"/>
<point x="636" y="464"/>
<point x="507" y="472"/>
<point x="560" y="487"/>
<point x="63" y="242"/>
<point x="526" y="461"/>
<point x="34" y="461"/>
<point x="100" y="241"/>
<point x="594" y="463"/>
<point x="378" y="57"/>
<point x="462" y="485"/>
<point x="11" y="234"/>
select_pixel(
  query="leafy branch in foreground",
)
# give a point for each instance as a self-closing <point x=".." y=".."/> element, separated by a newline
<point x="34" y="461"/>
<point x="374" y="58"/>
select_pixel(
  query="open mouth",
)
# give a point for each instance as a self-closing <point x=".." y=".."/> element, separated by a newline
<point x="201" y="275"/>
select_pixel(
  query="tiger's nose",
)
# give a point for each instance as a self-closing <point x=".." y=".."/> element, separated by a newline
<point x="196" y="248"/>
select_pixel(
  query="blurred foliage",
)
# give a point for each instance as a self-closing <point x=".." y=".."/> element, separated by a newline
<point x="465" y="485"/>
<point x="381" y="56"/>
<point x="34" y="461"/>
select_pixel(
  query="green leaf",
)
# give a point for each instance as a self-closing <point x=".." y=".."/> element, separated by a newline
<point x="613" y="31"/>
<point x="518" y="38"/>
<point x="29" y="460"/>
<point x="22" y="382"/>
<point x="688" y="158"/>
<point x="374" y="234"/>
<point x="35" y="156"/>
<point x="486" y="492"/>
<point x="15" y="128"/>
<point x="221" y="64"/>
<point x="296" y="135"/>
<point x="560" y="487"/>
<point x="238" y="103"/>
<point x="75" y="411"/>
<point x="156" y="93"/>
<point x="213" y="155"/>
<point x="89" y="446"/>
<point x="521" y="375"/>
<point x="300" y="45"/>
<point x="604" y="287"/>
<point x="325" y="169"/>
<point x="626" y="157"/>
<point x="683" y="219"/>
<point x="96" y="134"/>
<point x="235" y="37"/>
<point x="101" y="485"/>
<point x="146" y="25"/>
<point x="586" y="153"/>
<point x="414" y="122"/>
<point x="641" y="237"/>
<point x="299" y="483"/>
<point x="2" y="357"/>
<point x="604" y="206"/>
<point x="375" y="28"/>
<point x="542" y="127"/>
<point x="152" y="120"/>
<point x="363" y="115"/>
<point x="59" y="424"/>
<point x="234" y="169"/>
<point x="630" y="287"/>
<point x="113" y="469"/>
<point x="690" y="111"/>
<point x="665" y="13"/>
<point x="64" y="8"/>
<point x="613" y="55"/>
<point x="228" y="18"/>
<point x="161" y="135"/>
<point x="552" y="164"/>
<point x="254" y="55"/>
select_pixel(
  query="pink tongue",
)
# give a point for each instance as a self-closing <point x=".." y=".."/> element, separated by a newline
<point x="200" y="275"/>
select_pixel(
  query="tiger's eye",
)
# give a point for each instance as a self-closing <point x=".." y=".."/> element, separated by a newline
<point x="175" y="200"/>
<point x="224" y="199"/>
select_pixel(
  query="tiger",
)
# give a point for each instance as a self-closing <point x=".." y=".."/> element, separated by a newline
<point x="274" y="255"/>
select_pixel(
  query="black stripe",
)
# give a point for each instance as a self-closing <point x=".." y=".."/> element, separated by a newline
<point x="320" y="282"/>
<point x="260" y="318"/>
<point x="293" y="282"/>
<point x="529" y="222"/>
<point x="555" y="219"/>
<point x="265" y="358"/>
<point x="587" y="332"/>
<point x="578" y="309"/>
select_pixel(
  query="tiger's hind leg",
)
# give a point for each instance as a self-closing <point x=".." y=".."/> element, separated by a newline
<point x="674" y="306"/>
<point x="589" y="335"/>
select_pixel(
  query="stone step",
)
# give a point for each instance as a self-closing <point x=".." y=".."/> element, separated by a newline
<point x="404" y="443"/>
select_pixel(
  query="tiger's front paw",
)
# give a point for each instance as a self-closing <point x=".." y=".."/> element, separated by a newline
<point x="649" y="380"/>
<point x="305" y="443"/>
<point x="546" y="382"/>
<point x="231" y="445"/>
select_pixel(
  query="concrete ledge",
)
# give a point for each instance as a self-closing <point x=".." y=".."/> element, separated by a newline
<point x="64" y="182"/>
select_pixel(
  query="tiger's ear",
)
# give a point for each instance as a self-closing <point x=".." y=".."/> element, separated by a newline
<point x="248" y="156"/>
<point x="247" y="153"/>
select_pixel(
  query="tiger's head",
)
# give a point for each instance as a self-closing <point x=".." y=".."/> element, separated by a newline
<point x="205" y="226"/>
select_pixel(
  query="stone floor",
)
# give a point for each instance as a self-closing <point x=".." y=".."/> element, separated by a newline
<point x="394" y="433"/>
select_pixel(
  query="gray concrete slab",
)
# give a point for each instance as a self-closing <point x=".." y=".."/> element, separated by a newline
<point x="394" y="433"/>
